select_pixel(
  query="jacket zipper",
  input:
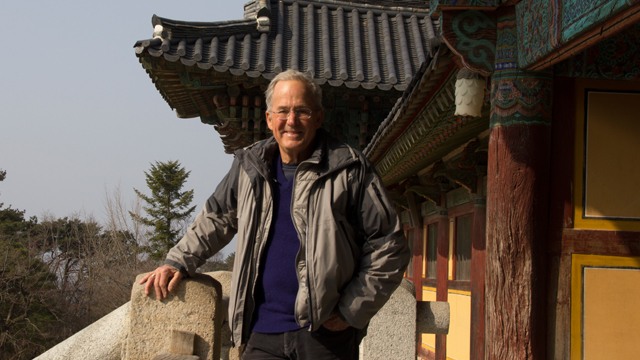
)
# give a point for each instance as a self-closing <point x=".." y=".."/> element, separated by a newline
<point x="307" y="256"/>
<point x="254" y="270"/>
<point x="293" y="191"/>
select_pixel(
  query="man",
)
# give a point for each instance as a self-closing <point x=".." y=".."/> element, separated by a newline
<point x="320" y="248"/>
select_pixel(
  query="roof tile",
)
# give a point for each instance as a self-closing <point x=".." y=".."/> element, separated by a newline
<point x="381" y="43"/>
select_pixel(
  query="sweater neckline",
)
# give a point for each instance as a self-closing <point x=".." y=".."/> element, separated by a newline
<point x="282" y="180"/>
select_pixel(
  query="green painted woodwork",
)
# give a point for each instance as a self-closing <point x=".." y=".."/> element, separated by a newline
<point x="517" y="96"/>
<point x="581" y="15"/>
<point x="405" y="217"/>
<point x="480" y="51"/>
<point x="433" y="133"/>
<point x="428" y="208"/>
<point x="458" y="197"/>
<point x="547" y="25"/>
<point x="537" y="30"/>
<point x="471" y="34"/>
<point x="615" y="58"/>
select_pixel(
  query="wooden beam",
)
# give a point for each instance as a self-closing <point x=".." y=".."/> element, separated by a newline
<point x="601" y="242"/>
<point x="598" y="33"/>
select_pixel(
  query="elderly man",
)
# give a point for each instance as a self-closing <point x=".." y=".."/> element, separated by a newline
<point x="320" y="248"/>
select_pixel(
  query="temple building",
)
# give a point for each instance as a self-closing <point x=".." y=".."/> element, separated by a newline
<point x="505" y="130"/>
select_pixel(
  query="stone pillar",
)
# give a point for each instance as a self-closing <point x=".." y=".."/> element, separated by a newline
<point x="194" y="306"/>
<point x="392" y="331"/>
<point x="442" y="269"/>
<point x="517" y="202"/>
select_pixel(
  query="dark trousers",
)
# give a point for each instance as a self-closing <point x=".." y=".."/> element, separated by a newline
<point x="303" y="345"/>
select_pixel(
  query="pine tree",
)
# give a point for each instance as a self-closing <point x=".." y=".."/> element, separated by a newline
<point x="167" y="207"/>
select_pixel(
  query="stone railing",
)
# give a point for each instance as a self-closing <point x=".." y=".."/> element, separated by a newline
<point x="191" y="324"/>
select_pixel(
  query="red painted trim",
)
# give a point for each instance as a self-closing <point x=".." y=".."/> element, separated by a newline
<point x="600" y="242"/>
<point x="454" y="246"/>
<point x="441" y="347"/>
<point x="426" y="354"/>
<point x="461" y="210"/>
<point x="442" y="271"/>
<point x="461" y="285"/>
<point x="430" y="219"/>
<point x="429" y="282"/>
<point x="442" y="268"/>
<point x="417" y="261"/>
<point x="562" y="154"/>
<point x="417" y="111"/>
<point x="478" y="245"/>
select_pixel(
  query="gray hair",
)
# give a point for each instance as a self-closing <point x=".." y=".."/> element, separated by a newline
<point x="291" y="75"/>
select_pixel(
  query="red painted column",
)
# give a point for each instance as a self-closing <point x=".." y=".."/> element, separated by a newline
<point x="561" y="216"/>
<point x="478" y="244"/>
<point x="517" y="203"/>
<point x="442" y="269"/>
<point x="417" y="261"/>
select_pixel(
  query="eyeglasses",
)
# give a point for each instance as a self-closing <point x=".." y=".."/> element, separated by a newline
<point x="301" y="114"/>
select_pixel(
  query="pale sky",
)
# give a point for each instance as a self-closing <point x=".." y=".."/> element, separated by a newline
<point x="78" y="113"/>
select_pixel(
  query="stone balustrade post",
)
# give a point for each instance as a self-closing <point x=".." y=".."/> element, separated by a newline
<point x="394" y="332"/>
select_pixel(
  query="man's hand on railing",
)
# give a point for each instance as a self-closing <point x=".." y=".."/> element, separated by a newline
<point x="164" y="279"/>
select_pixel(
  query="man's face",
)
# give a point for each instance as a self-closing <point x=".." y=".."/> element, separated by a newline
<point x="294" y="135"/>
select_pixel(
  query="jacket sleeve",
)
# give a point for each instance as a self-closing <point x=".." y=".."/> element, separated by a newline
<point x="213" y="228"/>
<point x="385" y="253"/>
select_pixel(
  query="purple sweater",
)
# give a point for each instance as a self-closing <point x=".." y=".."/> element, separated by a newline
<point x="277" y="285"/>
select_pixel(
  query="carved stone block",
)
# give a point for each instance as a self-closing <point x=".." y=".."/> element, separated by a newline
<point x="195" y="306"/>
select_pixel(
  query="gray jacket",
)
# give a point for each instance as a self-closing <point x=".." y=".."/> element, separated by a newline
<point x="352" y="254"/>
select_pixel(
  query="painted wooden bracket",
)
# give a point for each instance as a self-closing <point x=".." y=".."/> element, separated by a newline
<point x="414" y="210"/>
<point x="471" y="35"/>
<point x="466" y="168"/>
<point x="434" y="180"/>
<point x="428" y="192"/>
<point x="398" y="198"/>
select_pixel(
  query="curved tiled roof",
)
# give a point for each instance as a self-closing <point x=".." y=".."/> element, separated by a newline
<point x="377" y="44"/>
<point x="428" y="78"/>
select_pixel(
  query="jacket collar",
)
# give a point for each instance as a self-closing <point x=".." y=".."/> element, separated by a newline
<point x="328" y="155"/>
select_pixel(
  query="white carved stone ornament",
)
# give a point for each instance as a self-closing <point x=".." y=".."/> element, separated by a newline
<point x="469" y="93"/>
